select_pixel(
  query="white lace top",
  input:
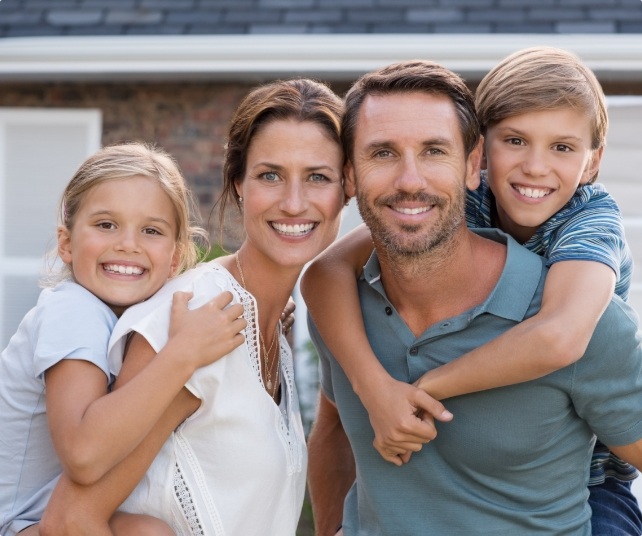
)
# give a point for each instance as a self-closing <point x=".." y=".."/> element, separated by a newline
<point x="237" y="466"/>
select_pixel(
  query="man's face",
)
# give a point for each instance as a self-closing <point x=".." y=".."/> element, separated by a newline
<point x="409" y="171"/>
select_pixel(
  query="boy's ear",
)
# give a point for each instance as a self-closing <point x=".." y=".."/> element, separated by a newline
<point x="484" y="163"/>
<point x="593" y="167"/>
<point x="349" y="185"/>
<point x="64" y="244"/>
<point x="473" y="164"/>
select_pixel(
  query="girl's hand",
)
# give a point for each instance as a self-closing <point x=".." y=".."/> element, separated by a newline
<point x="209" y="332"/>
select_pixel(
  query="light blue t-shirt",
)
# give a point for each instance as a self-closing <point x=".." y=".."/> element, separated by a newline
<point x="514" y="460"/>
<point x="68" y="322"/>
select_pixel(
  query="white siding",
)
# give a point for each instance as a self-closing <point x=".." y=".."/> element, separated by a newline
<point x="39" y="151"/>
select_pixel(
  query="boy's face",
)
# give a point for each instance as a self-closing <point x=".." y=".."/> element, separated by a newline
<point x="535" y="162"/>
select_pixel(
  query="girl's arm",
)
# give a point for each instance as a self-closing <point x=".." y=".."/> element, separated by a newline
<point x="79" y="509"/>
<point x="330" y="291"/>
<point x="92" y="431"/>
<point x="576" y="293"/>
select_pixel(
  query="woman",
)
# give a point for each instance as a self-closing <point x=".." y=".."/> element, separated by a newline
<point x="237" y="465"/>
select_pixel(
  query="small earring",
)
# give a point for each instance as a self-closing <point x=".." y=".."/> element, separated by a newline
<point x="240" y="200"/>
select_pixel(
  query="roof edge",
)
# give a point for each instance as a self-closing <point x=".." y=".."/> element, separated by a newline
<point x="329" y="56"/>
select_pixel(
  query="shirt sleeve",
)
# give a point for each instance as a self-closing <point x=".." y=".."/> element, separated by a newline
<point x="607" y="384"/>
<point x="72" y="323"/>
<point x="325" y="373"/>
<point x="595" y="232"/>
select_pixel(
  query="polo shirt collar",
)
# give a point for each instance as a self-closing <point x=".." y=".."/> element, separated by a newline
<point x="523" y="271"/>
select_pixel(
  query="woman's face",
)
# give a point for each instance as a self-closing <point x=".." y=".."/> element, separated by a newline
<point x="292" y="191"/>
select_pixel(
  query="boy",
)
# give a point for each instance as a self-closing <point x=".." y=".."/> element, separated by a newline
<point x="544" y="119"/>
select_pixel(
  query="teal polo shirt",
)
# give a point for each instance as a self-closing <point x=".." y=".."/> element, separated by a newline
<point x="514" y="460"/>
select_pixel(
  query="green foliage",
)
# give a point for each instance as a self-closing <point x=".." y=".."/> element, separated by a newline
<point x="212" y="253"/>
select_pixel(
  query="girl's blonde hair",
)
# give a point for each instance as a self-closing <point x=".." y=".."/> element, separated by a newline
<point x="124" y="161"/>
<point x="542" y="78"/>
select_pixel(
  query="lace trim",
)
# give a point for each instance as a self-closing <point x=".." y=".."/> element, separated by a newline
<point x="287" y="368"/>
<point x="249" y="314"/>
<point x="184" y="496"/>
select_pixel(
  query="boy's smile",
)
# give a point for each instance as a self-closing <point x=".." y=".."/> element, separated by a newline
<point x="535" y="162"/>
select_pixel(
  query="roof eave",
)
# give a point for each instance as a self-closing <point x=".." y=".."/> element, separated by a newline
<point x="328" y="56"/>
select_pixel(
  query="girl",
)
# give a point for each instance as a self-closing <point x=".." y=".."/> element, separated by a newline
<point x="124" y="230"/>
<point x="238" y="464"/>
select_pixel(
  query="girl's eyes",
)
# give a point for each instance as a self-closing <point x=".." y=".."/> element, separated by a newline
<point x="562" y="148"/>
<point x="151" y="231"/>
<point x="106" y="225"/>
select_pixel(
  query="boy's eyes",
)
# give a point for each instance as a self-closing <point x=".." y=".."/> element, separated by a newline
<point x="515" y="141"/>
<point x="105" y="225"/>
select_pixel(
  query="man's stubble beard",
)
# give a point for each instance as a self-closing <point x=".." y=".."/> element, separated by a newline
<point x="409" y="243"/>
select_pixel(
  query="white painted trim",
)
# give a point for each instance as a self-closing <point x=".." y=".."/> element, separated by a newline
<point x="249" y="57"/>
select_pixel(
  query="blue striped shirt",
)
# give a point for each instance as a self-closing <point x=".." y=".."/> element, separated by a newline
<point x="588" y="228"/>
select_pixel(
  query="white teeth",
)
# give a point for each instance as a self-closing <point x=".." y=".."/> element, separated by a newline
<point x="294" y="230"/>
<point x="412" y="210"/>
<point x="126" y="270"/>
<point x="534" y="193"/>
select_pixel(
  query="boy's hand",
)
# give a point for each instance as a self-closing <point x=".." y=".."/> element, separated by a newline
<point x="209" y="332"/>
<point x="402" y="416"/>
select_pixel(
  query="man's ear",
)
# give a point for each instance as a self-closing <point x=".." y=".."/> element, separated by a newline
<point x="349" y="186"/>
<point x="593" y="166"/>
<point x="64" y="244"/>
<point x="473" y="165"/>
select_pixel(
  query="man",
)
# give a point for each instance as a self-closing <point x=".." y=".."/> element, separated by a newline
<point x="514" y="460"/>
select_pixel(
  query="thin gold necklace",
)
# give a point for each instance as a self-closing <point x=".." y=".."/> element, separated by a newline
<point x="270" y="387"/>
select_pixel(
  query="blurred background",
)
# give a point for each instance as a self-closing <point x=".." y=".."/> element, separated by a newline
<point x="79" y="74"/>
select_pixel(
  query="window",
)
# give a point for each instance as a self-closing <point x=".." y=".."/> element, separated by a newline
<point x="40" y="149"/>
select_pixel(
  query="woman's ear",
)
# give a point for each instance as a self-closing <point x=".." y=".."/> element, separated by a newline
<point x="64" y="244"/>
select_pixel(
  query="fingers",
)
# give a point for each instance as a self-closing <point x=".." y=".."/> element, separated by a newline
<point x="287" y="316"/>
<point x="427" y="404"/>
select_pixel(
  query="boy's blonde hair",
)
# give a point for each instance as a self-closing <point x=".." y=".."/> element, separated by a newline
<point x="542" y="78"/>
<point x="124" y="161"/>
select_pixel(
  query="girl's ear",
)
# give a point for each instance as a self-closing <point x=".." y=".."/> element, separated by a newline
<point x="64" y="244"/>
<point x="593" y="167"/>
<point x="176" y="260"/>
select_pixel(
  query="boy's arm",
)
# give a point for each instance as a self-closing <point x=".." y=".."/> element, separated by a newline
<point x="576" y="294"/>
<point x="330" y="291"/>
<point x="93" y="430"/>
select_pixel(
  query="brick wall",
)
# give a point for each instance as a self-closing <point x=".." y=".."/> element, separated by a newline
<point x="187" y="119"/>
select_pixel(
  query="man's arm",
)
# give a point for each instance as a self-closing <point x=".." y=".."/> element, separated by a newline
<point x="331" y="470"/>
<point x="630" y="453"/>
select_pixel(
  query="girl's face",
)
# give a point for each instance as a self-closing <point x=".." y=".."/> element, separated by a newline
<point x="122" y="245"/>
<point x="292" y="191"/>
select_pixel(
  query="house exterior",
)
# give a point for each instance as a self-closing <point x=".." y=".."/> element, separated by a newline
<point x="78" y="74"/>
